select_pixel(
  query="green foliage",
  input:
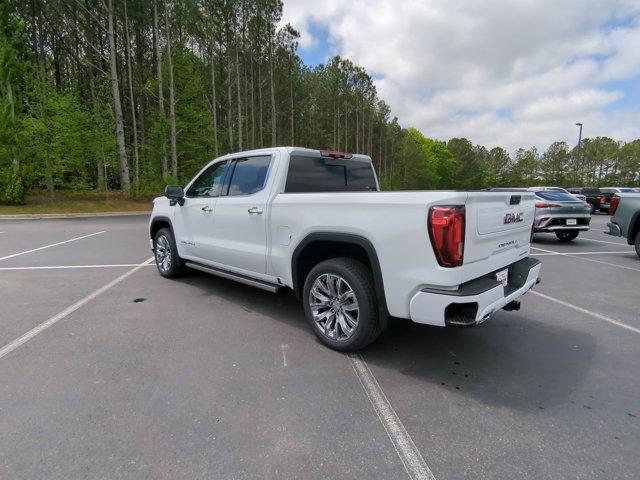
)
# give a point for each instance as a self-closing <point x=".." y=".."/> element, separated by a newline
<point x="12" y="191"/>
<point x="58" y="131"/>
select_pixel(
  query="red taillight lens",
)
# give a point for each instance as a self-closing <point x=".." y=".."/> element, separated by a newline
<point x="613" y="205"/>
<point x="446" y="227"/>
<point x="546" y="205"/>
<point x="601" y="199"/>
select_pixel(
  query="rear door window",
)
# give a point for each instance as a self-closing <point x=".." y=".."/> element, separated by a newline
<point x="249" y="175"/>
<point x="319" y="174"/>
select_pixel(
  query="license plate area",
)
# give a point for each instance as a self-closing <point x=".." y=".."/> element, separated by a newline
<point x="572" y="221"/>
<point x="503" y="277"/>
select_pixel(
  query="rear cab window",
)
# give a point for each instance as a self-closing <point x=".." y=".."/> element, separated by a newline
<point x="554" y="196"/>
<point x="315" y="173"/>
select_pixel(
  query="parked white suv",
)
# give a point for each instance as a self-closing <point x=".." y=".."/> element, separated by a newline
<point x="315" y="221"/>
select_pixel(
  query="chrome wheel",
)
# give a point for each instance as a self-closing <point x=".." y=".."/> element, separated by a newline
<point x="163" y="253"/>
<point x="334" y="306"/>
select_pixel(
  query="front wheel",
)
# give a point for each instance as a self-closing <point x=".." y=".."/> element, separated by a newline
<point x="638" y="244"/>
<point x="567" y="236"/>
<point x="340" y="304"/>
<point x="166" y="254"/>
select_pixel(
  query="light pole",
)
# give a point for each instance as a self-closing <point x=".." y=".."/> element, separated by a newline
<point x="580" y="148"/>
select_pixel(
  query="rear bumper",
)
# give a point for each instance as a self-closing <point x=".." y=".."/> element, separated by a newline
<point x="475" y="301"/>
<point x="614" y="229"/>
<point x="558" y="228"/>
<point x="554" y="223"/>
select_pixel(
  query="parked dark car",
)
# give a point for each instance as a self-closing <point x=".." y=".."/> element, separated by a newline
<point x="597" y="199"/>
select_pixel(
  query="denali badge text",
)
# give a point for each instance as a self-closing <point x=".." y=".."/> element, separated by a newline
<point x="513" y="217"/>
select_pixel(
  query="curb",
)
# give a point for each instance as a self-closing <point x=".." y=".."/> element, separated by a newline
<point x="44" y="216"/>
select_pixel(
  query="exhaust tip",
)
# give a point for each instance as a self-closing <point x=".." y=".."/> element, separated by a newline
<point x="513" y="305"/>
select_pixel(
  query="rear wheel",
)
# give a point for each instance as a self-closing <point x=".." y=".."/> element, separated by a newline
<point x="166" y="254"/>
<point x="638" y="244"/>
<point x="567" y="236"/>
<point x="341" y="305"/>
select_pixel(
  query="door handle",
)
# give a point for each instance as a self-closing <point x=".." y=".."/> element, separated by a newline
<point x="255" y="211"/>
<point x="207" y="209"/>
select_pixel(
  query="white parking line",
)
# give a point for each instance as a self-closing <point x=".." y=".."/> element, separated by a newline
<point x="587" y="312"/>
<point x="52" y="245"/>
<point x="411" y="458"/>
<point x="602" y="241"/>
<point x="62" y="267"/>
<point x="580" y="253"/>
<point x="571" y="255"/>
<point x="10" y="347"/>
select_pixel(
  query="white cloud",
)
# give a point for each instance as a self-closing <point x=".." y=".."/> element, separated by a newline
<point x="511" y="73"/>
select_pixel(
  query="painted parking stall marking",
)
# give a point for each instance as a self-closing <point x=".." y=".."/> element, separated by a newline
<point x="66" y="267"/>
<point x="52" y="245"/>
<point x="599" y="316"/>
<point x="411" y="458"/>
<point x="572" y="255"/>
<point x="10" y="347"/>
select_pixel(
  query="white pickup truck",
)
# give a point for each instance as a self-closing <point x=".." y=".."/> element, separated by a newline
<point x="315" y="221"/>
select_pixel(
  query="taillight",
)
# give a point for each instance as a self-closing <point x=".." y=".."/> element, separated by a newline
<point x="546" y="205"/>
<point x="601" y="199"/>
<point x="446" y="227"/>
<point x="613" y="205"/>
<point x="333" y="154"/>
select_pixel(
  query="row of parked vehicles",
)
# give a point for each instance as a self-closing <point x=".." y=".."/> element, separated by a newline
<point x="567" y="212"/>
<point x="599" y="199"/>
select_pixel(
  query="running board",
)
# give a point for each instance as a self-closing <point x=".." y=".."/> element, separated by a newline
<point x="269" y="287"/>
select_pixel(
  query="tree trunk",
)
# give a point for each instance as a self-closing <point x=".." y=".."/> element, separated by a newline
<point x="293" y="137"/>
<point x="253" y="109"/>
<point x="96" y="127"/>
<point x="214" y="101"/>
<point x="125" y="184"/>
<point x="260" y="133"/>
<point x="273" y="95"/>
<point x="229" y="99"/>
<point x="156" y="47"/>
<point x="134" y="125"/>
<point x="239" y="100"/>
<point x="172" y="99"/>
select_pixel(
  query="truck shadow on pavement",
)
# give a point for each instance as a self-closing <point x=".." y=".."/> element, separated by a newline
<point x="511" y="361"/>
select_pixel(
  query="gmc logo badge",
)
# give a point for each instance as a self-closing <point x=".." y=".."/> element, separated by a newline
<point x="513" y="218"/>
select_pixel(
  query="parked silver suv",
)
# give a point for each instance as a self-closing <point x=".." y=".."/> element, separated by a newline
<point x="559" y="212"/>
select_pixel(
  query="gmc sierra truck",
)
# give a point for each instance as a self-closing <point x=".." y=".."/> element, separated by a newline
<point x="316" y="222"/>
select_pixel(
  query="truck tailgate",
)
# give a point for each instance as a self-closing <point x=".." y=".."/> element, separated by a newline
<point x="497" y="222"/>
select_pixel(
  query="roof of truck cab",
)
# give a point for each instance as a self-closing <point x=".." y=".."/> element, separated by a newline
<point x="286" y="150"/>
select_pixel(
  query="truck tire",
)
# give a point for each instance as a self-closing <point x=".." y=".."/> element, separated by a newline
<point x="340" y="303"/>
<point x="637" y="244"/>
<point x="567" y="236"/>
<point x="166" y="254"/>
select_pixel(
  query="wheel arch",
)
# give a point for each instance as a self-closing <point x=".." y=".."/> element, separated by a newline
<point x="157" y="223"/>
<point x="319" y="246"/>
<point x="634" y="228"/>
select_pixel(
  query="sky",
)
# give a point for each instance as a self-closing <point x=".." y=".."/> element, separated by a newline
<point x="517" y="73"/>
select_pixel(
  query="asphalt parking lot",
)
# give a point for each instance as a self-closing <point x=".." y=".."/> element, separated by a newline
<point x="108" y="370"/>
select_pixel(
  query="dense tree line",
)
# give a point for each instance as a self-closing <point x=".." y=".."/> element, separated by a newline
<point x="131" y="94"/>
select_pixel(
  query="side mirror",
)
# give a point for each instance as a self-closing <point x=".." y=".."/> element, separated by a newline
<point x="175" y="194"/>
